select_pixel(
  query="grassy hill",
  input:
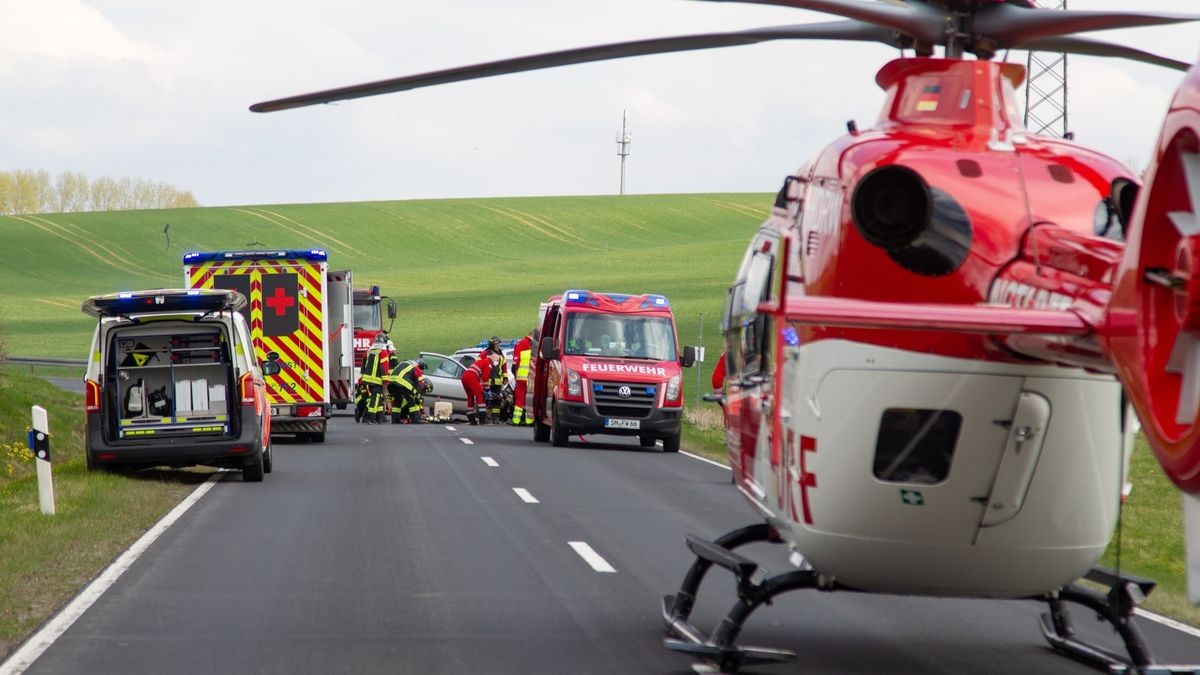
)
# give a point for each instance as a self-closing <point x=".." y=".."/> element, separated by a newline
<point x="460" y="270"/>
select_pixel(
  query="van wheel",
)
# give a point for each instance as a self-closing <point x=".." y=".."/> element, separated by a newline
<point x="252" y="473"/>
<point x="268" y="462"/>
<point x="671" y="443"/>
<point x="316" y="437"/>
<point x="646" y="441"/>
<point x="558" y="435"/>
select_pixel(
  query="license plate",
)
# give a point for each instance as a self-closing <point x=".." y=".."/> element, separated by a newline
<point x="623" y="424"/>
<point x="277" y="411"/>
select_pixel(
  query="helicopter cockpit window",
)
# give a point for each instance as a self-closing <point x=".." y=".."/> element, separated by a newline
<point x="915" y="445"/>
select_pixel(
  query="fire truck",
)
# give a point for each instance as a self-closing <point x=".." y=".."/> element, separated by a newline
<point x="368" y="322"/>
<point x="608" y="363"/>
<point x="299" y="314"/>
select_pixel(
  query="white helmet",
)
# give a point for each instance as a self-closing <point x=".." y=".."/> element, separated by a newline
<point x="391" y="346"/>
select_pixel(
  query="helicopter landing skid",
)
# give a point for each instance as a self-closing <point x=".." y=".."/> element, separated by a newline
<point x="1125" y="593"/>
<point x="754" y="588"/>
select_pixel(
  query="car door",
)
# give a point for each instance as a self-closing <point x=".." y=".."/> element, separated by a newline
<point x="445" y="374"/>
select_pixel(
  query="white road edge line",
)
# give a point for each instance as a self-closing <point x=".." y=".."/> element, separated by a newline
<point x="489" y="461"/>
<point x="1166" y="621"/>
<point x="467" y="441"/>
<point x="590" y="556"/>
<point x="704" y="459"/>
<point x="56" y="626"/>
<point x="525" y="496"/>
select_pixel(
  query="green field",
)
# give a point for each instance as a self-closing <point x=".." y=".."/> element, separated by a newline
<point x="460" y="270"/>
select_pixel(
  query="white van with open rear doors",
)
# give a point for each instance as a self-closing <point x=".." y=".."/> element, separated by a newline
<point x="172" y="380"/>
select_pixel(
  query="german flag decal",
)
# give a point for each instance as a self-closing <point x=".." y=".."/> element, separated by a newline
<point x="930" y="95"/>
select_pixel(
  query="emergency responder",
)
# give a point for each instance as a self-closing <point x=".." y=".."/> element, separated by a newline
<point x="406" y="387"/>
<point x="521" y="353"/>
<point x="374" y="370"/>
<point x="472" y="380"/>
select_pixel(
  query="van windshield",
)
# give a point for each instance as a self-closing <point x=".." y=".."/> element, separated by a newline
<point x="366" y="317"/>
<point x="620" y="336"/>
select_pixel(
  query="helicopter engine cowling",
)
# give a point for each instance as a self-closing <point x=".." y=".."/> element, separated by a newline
<point x="923" y="229"/>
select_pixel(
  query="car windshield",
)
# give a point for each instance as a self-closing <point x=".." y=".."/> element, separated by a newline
<point x="621" y="336"/>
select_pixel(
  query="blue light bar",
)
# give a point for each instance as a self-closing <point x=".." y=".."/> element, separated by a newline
<point x="314" y="254"/>
<point x="655" y="301"/>
<point x="577" y="297"/>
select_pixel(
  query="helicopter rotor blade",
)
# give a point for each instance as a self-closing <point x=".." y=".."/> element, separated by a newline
<point x="834" y="30"/>
<point x="1010" y="25"/>
<point x="1088" y="47"/>
<point x="923" y="23"/>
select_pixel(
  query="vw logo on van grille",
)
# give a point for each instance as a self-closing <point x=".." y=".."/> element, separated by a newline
<point x="624" y="391"/>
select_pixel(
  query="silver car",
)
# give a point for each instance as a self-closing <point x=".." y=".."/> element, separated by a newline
<point x="445" y="373"/>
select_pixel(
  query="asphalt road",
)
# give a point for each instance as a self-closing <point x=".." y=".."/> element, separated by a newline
<point x="406" y="549"/>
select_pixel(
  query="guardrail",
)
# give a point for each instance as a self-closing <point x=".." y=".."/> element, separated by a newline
<point x="34" y="361"/>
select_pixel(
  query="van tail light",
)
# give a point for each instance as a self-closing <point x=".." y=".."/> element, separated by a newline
<point x="248" y="395"/>
<point x="92" y="391"/>
<point x="308" y="411"/>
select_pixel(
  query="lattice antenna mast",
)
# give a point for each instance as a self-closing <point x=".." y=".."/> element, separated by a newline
<point x="1046" y="88"/>
<point x="624" y="140"/>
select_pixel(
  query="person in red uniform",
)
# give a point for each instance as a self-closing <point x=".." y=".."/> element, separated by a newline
<point x="521" y="354"/>
<point x="472" y="381"/>
<point x="718" y="376"/>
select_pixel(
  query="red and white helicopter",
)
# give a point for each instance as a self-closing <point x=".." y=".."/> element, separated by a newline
<point x="937" y="342"/>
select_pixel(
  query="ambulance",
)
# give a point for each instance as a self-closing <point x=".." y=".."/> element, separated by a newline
<point x="608" y="363"/>
<point x="299" y="315"/>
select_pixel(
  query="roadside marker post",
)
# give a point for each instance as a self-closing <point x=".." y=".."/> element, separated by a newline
<point x="39" y="445"/>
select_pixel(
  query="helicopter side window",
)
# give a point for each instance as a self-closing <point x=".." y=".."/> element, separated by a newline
<point x="915" y="445"/>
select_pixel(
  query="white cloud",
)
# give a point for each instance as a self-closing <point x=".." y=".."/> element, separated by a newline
<point x="160" y="90"/>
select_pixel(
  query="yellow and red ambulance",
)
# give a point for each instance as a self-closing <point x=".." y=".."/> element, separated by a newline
<point x="298" y="315"/>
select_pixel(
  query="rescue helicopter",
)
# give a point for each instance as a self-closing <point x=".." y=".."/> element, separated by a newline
<point x="942" y="342"/>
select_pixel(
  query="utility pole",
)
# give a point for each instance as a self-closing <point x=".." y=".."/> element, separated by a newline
<point x="1046" y="88"/>
<point x="624" y="139"/>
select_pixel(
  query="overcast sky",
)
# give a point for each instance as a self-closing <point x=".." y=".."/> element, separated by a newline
<point x="159" y="89"/>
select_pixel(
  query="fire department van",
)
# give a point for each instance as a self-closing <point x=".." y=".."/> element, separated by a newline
<point x="172" y="380"/>
<point x="294" y="309"/>
<point x="608" y="363"/>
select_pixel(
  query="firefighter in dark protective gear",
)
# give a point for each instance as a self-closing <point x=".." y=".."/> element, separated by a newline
<point x="521" y="354"/>
<point x="374" y="370"/>
<point x="494" y="384"/>
<point x="406" y="386"/>
<point x="472" y="380"/>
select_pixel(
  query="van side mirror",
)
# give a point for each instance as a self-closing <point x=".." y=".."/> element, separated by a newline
<point x="391" y="310"/>
<point x="689" y="357"/>
<point x="270" y="367"/>
<point x="547" y="349"/>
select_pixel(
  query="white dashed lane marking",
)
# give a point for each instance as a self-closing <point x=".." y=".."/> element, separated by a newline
<point x="590" y="556"/>
<point x="467" y="441"/>
<point x="489" y="461"/>
<point x="525" y="496"/>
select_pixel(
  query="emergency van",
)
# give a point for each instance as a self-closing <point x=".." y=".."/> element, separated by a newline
<point x="172" y="380"/>
<point x="294" y="312"/>
<point x="608" y="363"/>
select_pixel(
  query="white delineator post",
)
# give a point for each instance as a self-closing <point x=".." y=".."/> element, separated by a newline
<point x="39" y="445"/>
<point x="1191" y="531"/>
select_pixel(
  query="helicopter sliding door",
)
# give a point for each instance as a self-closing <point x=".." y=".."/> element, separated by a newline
<point x="891" y="452"/>
<point x="748" y="381"/>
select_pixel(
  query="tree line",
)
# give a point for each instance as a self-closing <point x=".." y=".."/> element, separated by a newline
<point x="31" y="191"/>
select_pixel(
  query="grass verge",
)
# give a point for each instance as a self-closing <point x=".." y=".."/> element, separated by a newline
<point x="46" y="560"/>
